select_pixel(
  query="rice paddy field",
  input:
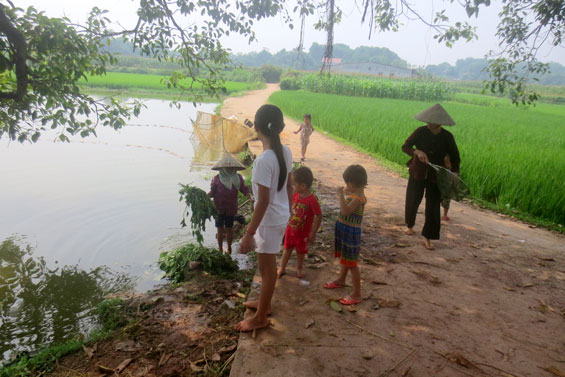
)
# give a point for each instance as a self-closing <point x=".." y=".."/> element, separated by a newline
<point x="511" y="157"/>
<point x="135" y="82"/>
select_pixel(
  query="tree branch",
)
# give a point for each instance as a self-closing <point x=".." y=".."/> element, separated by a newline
<point x="17" y="39"/>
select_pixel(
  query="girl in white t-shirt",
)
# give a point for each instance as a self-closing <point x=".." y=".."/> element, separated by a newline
<point x="273" y="193"/>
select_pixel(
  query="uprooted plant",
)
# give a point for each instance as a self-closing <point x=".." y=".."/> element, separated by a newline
<point x="200" y="207"/>
<point x="212" y="261"/>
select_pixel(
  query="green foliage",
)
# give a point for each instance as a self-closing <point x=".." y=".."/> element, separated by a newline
<point x="246" y="157"/>
<point x="44" y="361"/>
<point x="173" y="263"/>
<point x="147" y="82"/>
<point x="270" y="73"/>
<point x="290" y="83"/>
<point x="201" y="207"/>
<point x="56" y="57"/>
<point x="377" y="87"/>
<point x="112" y="314"/>
<point x="506" y="160"/>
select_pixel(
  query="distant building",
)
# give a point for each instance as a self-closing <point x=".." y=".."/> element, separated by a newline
<point x="376" y="69"/>
<point x="331" y="61"/>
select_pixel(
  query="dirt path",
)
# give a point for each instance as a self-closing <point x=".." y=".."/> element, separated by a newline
<point x="489" y="301"/>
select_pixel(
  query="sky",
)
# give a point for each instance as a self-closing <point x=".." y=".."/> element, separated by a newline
<point x="414" y="41"/>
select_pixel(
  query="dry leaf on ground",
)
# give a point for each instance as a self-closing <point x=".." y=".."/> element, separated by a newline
<point x="123" y="365"/>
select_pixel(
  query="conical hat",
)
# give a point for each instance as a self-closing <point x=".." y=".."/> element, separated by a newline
<point x="435" y="115"/>
<point x="228" y="161"/>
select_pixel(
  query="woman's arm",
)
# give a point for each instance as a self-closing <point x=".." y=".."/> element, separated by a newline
<point x="454" y="157"/>
<point x="289" y="192"/>
<point x="246" y="244"/>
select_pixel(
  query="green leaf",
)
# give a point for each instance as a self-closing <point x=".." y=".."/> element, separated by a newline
<point x="335" y="306"/>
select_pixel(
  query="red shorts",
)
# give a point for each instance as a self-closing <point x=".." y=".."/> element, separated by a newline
<point x="298" y="243"/>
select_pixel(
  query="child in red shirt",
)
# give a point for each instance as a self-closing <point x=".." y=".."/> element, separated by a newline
<point x="304" y="222"/>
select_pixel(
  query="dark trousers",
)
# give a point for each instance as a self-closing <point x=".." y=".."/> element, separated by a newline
<point x="414" y="194"/>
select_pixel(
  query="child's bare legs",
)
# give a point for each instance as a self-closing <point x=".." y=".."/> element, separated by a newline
<point x="299" y="263"/>
<point x="220" y="238"/>
<point x="229" y="238"/>
<point x="304" y="147"/>
<point x="284" y="261"/>
<point x="445" y="217"/>
<point x="356" y="280"/>
<point x="268" y="271"/>
<point x="342" y="275"/>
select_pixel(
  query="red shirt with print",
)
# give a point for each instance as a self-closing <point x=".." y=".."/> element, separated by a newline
<point x="303" y="211"/>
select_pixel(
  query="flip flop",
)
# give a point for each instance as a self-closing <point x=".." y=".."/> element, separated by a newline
<point x="349" y="301"/>
<point x="333" y="285"/>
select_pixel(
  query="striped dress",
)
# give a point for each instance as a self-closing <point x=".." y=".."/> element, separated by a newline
<point x="348" y="233"/>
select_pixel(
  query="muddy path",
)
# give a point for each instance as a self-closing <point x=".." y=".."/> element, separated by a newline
<point x="489" y="301"/>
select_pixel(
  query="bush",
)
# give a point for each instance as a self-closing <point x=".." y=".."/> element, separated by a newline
<point x="270" y="73"/>
<point x="290" y="84"/>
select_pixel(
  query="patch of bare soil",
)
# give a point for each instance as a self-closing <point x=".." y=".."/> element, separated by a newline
<point x="185" y="330"/>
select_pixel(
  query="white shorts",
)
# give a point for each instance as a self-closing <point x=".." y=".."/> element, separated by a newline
<point x="269" y="238"/>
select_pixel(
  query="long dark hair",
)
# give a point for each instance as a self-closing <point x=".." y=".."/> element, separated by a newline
<point x="269" y="120"/>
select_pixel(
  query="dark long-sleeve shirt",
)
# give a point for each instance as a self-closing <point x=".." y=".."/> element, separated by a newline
<point x="436" y="148"/>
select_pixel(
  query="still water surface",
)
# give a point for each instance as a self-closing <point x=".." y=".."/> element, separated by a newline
<point x="104" y="207"/>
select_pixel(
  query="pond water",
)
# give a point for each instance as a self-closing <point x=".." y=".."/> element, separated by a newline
<point x="82" y="219"/>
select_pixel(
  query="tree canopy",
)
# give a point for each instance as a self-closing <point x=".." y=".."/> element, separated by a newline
<point x="42" y="58"/>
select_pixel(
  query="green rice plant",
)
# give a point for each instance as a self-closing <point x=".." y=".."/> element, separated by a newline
<point x="134" y="81"/>
<point x="512" y="157"/>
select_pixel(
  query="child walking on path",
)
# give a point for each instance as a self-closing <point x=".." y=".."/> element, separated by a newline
<point x="272" y="189"/>
<point x="306" y="129"/>
<point x="304" y="222"/>
<point x="348" y="230"/>
<point x="223" y="190"/>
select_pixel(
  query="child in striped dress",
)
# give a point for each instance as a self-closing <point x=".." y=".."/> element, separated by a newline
<point x="348" y="230"/>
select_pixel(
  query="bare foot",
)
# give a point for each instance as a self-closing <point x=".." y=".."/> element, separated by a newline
<point x="445" y="218"/>
<point x="409" y="231"/>
<point x="281" y="272"/>
<point x="253" y="305"/>
<point x="428" y="244"/>
<point x="252" y="323"/>
<point x="300" y="274"/>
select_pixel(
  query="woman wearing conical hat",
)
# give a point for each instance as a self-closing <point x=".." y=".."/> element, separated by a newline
<point x="428" y="144"/>
<point x="223" y="190"/>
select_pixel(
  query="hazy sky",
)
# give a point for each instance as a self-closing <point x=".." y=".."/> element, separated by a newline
<point x="413" y="43"/>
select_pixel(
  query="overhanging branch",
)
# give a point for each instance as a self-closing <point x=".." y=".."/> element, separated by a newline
<point x="17" y="40"/>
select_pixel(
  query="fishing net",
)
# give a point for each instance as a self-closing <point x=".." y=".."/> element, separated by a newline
<point x="450" y="185"/>
<point x="221" y="134"/>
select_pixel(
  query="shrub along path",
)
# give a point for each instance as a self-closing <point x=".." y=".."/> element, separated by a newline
<point x="489" y="301"/>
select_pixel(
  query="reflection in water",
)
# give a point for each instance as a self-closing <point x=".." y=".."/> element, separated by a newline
<point x="39" y="305"/>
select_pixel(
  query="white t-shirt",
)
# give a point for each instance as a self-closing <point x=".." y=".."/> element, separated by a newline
<point x="266" y="173"/>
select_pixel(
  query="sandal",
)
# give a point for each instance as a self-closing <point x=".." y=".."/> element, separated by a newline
<point x="349" y="301"/>
<point x="333" y="285"/>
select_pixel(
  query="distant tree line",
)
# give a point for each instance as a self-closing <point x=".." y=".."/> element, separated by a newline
<point x="471" y="69"/>
<point x="312" y="59"/>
